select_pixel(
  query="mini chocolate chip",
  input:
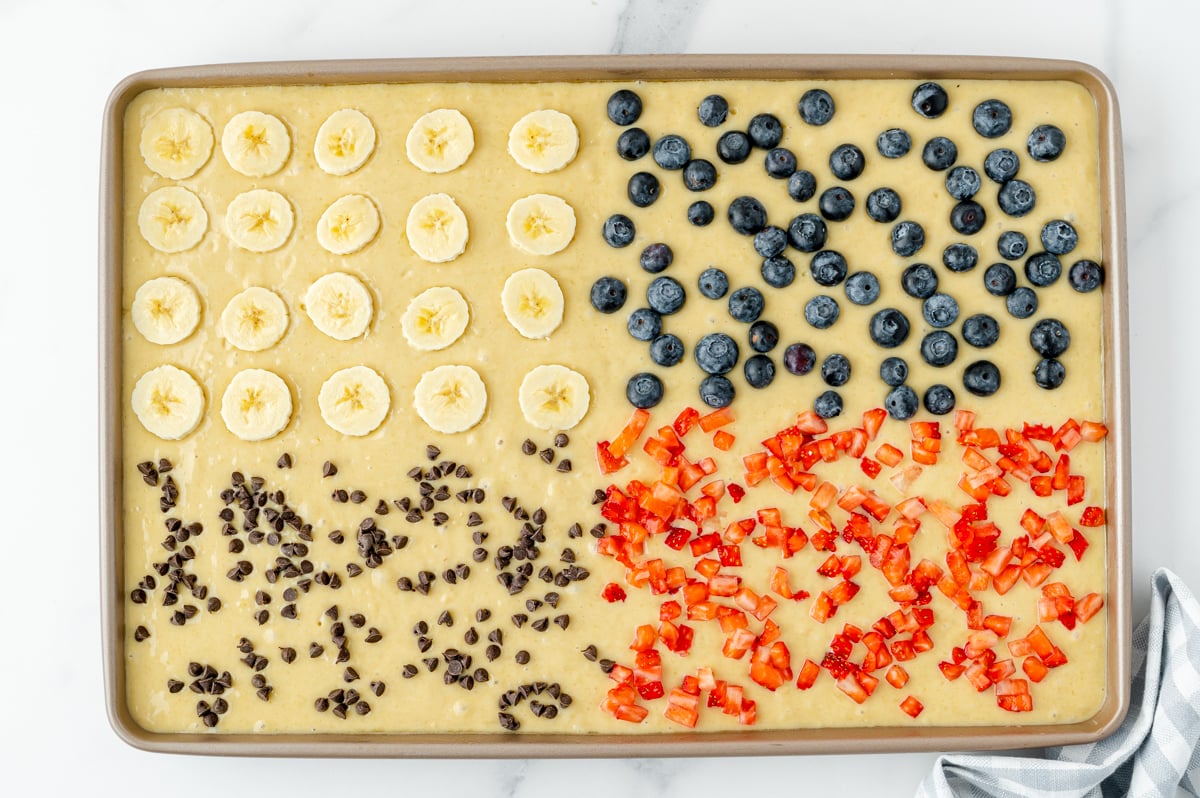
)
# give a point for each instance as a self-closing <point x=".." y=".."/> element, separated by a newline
<point x="409" y="671"/>
<point x="445" y="619"/>
<point x="431" y="663"/>
<point x="492" y="652"/>
<point x="174" y="685"/>
<point x="327" y="470"/>
<point x="563" y="466"/>
<point x="547" y="455"/>
<point x="358" y="620"/>
<point x="141" y="633"/>
<point x="381" y="508"/>
<point x="358" y="497"/>
<point x="607" y="665"/>
<point x="315" y="650"/>
<point x="373" y="635"/>
<point x="562" y="621"/>
<point x="432" y="452"/>
<point x="541" y="624"/>
<point x="522" y="657"/>
<point x="528" y="447"/>
<point x="479" y="554"/>
<point x="214" y="604"/>
<point x="539" y="516"/>
<point x="508" y="722"/>
<point x="519" y="619"/>
<point x="404" y="583"/>
<point x="350" y="674"/>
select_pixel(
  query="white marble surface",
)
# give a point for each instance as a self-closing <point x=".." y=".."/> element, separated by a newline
<point x="61" y="59"/>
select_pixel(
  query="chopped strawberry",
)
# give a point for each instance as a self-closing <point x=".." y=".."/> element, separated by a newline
<point x="686" y="419"/>
<point x="888" y="455"/>
<point x="629" y="435"/>
<point x="897" y="677"/>
<point x="1092" y="431"/>
<point x="723" y="440"/>
<point x="613" y="592"/>
<point x="1078" y="544"/>
<point x="911" y="706"/>
<point x="606" y="461"/>
<point x="1092" y="516"/>
<point x="1088" y="606"/>
<point x="716" y="419"/>
<point x="869" y="467"/>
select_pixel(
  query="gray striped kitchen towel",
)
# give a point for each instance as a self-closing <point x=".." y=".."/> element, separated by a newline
<point x="1155" y="751"/>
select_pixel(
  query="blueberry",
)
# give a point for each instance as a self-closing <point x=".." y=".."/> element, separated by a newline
<point x="656" y="257"/>
<point x="992" y="119"/>
<point x="759" y="371"/>
<point x="716" y="391"/>
<point x="835" y="370"/>
<point x="940" y="310"/>
<point x="733" y="146"/>
<point x="836" y="203"/>
<point x="644" y="390"/>
<point x="608" y="295"/>
<point x="716" y="353"/>
<point x="919" y="281"/>
<point x="968" y="217"/>
<point x="672" y="152"/>
<point x="1059" y="237"/>
<point x="713" y="110"/>
<point x="883" y="205"/>
<point x="1001" y="165"/>
<point x="764" y="336"/>
<point x="907" y="239"/>
<point x="901" y="403"/>
<point x="847" y="162"/>
<point x="799" y="359"/>
<point x="930" y="100"/>
<point x="1049" y="373"/>
<point x="828" y="405"/>
<point x="1022" y="303"/>
<point x="765" y="131"/>
<point x="894" y="143"/>
<point x="939" y="399"/>
<point x="700" y="213"/>
<point x="1049" y="338"/>
<point x="713" y="283"/>
<point x="963" y="182"/>
<point x="644" y="324"/>
<point x="862" y="288"/>
<point x="807" y="232"/>
<point x="939" y="348"/>
<point x="960" y="257"/>
<point x="939" y="154"/>
<point x="770" y="241"/>
<point x="1012" y="245"/>
<point x="889" y="328"/>
<point x="633" y="143"/>
<point x="643" y="189"/>
<point x="821" y="311"/>
<point x="666" y="350"/>
<point x="893" y="371"/>
<point x="747" y="215"/>
<point x="1043" y="269"/>
<point x="1085" y="276"/>
<point x="982" y="378"/>
<point x="1046" y="143"/>
<point x="780" y="163"/>
<point x="778" y="272"/>
<point x="828" y="268"/>
<point x="619" y="230"/>
<point x="699" y="175"/>
<point x="665" y="296"/>
<point x="624" y="107"/>
<point x="816" y="107"/>
<point x="981" y="331"/>
<point x="746" y="304"/>
<point x="802" y="186"/>
<point x="1017" y="198"/>
<point x="1000" y="279"/>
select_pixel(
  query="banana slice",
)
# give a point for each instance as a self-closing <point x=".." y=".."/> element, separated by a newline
<point x="435" y="318"/>
<point x="450" y="398"/>
<point x="532" y="302"/>
<point x="168" y="401"/>
<point x="441" y="141"/>
<point x="543" y="141"/>
<point x="172" y="219"/>
<point x="254" y="320"/>
<point x="554" y="397"/>
<point x="176" y="142"/>
<point x="257" y="405"/>
<point x="256" y="144"/>
<point x="339" y="306"/>
<point x="541" y="224"/>
<point x="437" y="228"/>
<point x="259" y="220"/>
<point x="348" y="225"/>
<point x="344" y="141"/>
<point x="354" y="401"/>
<point x="165" y="310"/>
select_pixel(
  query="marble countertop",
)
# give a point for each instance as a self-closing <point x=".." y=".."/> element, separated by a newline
<point x="63" y="58"/>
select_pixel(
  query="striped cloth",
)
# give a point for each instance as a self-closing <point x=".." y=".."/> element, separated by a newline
<point x="1155" y="751"/>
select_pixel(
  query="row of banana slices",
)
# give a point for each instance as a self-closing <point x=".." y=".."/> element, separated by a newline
<point x="177" y="142"/>
<point x="257" y="403"/>
<point x="172" y="219"/>
<point x="166" y="310"/>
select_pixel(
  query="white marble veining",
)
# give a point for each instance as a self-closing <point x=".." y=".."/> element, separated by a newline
<point x="61" y="59"/>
